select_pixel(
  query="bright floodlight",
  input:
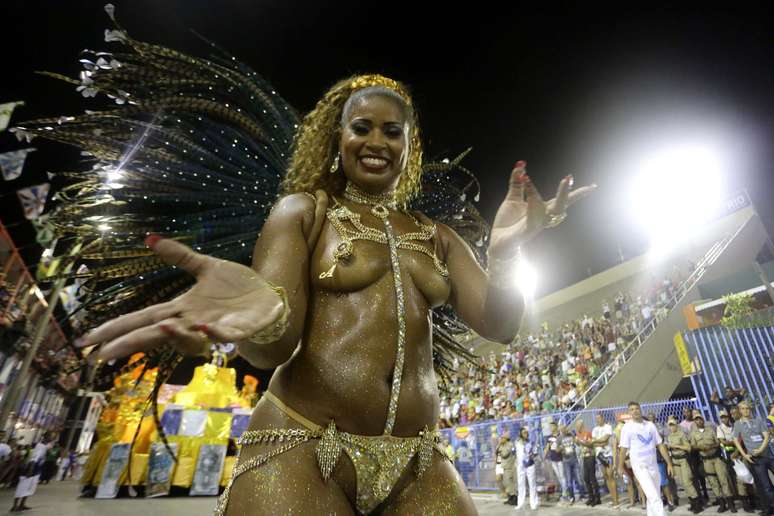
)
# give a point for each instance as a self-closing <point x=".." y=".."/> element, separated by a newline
<point x="113" y="175"/>
<point x="526" y="276"/>
<point x="676" y="191"/>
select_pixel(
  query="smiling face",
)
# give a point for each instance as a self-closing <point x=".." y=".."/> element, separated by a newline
<point x="374" y="142"/>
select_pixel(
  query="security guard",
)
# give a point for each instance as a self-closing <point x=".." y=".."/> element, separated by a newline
<point x="706" y="441"/>
<point x="507" y="458"/>
<point x="725" y="434"/>
<point x="679" y="447"/>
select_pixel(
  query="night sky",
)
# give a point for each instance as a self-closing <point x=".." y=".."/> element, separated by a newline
<point x="583" y="92"/>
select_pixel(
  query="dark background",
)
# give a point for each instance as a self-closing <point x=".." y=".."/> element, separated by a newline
<point x="588" y="92"/>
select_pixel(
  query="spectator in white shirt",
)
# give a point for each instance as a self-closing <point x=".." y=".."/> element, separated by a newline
<point x="639" y="440"/>
<point x="647" y="314"/>
<point x="30" y="476"/>
<point x="525" y="470"/>
<point x="5" y="450"/>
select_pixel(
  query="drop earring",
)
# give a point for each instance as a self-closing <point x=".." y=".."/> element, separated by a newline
<point x="335" y="164"/>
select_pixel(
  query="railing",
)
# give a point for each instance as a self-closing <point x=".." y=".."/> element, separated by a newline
<point x="636" y="343"/>
<point x="733" y="357"/>
<point x="476" y="462"/>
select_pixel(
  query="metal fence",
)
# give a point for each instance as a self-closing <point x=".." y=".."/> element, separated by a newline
<point x="734" y="358"/>
<point x="475" y="445"/>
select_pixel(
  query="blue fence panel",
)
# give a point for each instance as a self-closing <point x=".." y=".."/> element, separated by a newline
<point x="475" y="445"/>
<point x="733" y="358"/>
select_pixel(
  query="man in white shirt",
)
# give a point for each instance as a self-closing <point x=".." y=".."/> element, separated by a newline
<point x="639" y="440"/>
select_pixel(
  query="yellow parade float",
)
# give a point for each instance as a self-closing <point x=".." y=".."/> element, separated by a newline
<point x="208" y="413"/>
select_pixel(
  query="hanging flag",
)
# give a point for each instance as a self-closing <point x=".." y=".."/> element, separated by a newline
<point x="5" y="113"/>
<point x="33" y="199"/>
<point x="69" y="298"/>
<point x="12" y="163"/>
<point x="48" y="264"/>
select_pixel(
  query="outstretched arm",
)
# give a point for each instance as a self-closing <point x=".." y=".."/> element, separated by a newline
<point x="281" y="256"/>
<point x="491" y="310"/>
<point x="491" y="303"/>
<point x="229" y="302"/>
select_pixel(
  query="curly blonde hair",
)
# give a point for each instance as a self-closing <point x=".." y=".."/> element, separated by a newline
<point x="315" y="144"/>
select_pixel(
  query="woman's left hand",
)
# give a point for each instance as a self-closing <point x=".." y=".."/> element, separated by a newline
<point x="524" y="213"/>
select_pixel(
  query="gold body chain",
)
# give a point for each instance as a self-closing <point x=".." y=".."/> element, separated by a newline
<point x="338" y="215"/>
<point x="379" y="461"/>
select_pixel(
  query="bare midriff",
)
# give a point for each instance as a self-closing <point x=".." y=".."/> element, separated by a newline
<point x="344" y="367"/>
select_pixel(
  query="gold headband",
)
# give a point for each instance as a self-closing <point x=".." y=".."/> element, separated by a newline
<point x="366" y="81"/>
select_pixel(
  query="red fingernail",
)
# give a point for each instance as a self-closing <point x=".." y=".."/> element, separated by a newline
<point x="521" y="164"/>
<point x="151" y="240"/>
<point x="202" y="327"/>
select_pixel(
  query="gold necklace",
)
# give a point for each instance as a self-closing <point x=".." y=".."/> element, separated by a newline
<point x="378" y="202"/>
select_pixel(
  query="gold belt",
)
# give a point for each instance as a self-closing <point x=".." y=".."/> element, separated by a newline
<point x="379" y="460"/>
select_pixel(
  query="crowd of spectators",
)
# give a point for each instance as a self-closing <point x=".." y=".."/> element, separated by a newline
<point x="548" y="370"/>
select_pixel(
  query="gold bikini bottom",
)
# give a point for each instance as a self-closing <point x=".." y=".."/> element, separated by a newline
<point x="378" y="460"/>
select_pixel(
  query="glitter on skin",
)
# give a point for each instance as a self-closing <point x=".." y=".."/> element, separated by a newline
<point x="343" y="369"/>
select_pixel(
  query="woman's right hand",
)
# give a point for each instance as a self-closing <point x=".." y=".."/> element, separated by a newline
<point x="229" y="303"/>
